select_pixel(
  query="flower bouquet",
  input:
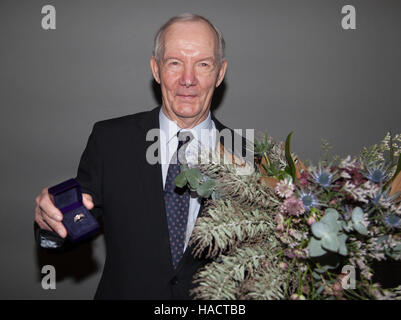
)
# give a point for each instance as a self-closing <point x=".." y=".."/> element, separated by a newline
<point x="295" y="231"/>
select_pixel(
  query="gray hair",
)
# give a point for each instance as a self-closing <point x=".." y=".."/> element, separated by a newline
<point x="159" y="38"/>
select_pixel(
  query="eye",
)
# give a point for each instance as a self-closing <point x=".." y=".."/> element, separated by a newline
<point x="204" y="64"/>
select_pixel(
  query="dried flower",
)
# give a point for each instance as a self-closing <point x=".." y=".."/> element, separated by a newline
<point x="284" y="188"/>
<point x="348" y="163"/>
<point x="293" y="206"/>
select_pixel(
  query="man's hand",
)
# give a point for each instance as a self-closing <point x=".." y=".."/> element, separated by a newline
<point x="48" y="217"/>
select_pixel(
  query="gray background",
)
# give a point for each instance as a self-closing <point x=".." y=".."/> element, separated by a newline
<point x="291" y="67"/>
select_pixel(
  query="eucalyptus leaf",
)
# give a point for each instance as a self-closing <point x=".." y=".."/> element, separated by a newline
<point x="357" y="215"/>
<point x="193" y="176"/>
<point x="360" y="228"/>
<point x="320" y="229"/>
<point x="181" y="180"/>
<point x="330" y="216"/>
<point x="315" y="248"/>
<point x="330" y="242"/>
<point x="343" y="246"/>
<point x="206" y="188"/>
<point x="357" y="221"/>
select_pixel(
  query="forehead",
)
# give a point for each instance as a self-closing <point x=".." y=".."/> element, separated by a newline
<point x="190" y="35"/>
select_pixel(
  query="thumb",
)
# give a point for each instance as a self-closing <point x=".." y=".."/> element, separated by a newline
<point x="87" y="200"/>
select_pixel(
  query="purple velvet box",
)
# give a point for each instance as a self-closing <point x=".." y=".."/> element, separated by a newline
<point x="78" y="221"/>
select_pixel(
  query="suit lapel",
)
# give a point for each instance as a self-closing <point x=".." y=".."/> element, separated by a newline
<point x="148" y="122"/>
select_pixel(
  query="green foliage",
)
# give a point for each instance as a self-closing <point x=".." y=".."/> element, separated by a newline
<point x="242" y="275"/>
<point x="397" y="170"/>
<point x="194" y="179"/>
<point x="330" y="233"/>
<point x="291" y="169"/>
<point x="326" y="148"/>
<point x="226" y="225"/>
<point x="262" y="147"/>
<point x="260" y="250"/>
<point x="181" y="180"/>
<point x="357" y="221"/>
<point x="371" y="154"/>
<point x="206" y="188"/>
<point x="327" y="235"/>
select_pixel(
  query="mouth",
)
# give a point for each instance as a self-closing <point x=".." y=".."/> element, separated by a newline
<point x="186" y="97"/>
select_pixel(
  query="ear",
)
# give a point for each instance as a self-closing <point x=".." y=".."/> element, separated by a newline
<point x="155" y="69"/>
<point x="222" y="73"/>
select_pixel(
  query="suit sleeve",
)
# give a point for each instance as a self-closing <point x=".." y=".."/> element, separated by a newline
<point x="89" y="176"/>
<point x="90" y="170"/>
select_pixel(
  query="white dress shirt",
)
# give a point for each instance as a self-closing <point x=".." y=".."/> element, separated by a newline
<point x="205" y="134"/>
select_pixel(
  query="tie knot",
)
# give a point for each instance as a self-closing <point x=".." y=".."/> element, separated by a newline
<point x="183" y="138"/>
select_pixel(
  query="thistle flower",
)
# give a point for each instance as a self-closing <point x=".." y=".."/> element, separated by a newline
<point x="284" y="188"/>
<point x="308" y="199"/>
<point x="392" y="221"/>
<point x="376" y="173"/>
<point x="292" y="206"/>
<point x="323" y="176"/>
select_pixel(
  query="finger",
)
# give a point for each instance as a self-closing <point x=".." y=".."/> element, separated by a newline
<point x="39" y="220"/>
<point x="47" y="206"/>
<point x="87" y="200"/>
<point x="54" y="224"/>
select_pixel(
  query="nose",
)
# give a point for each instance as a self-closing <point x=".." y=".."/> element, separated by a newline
<point x="188" y="77"/>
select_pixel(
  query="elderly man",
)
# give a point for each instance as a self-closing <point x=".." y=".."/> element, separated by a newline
<point x="146" y="232"/>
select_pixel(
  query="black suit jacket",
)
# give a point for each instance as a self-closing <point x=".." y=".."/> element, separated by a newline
<point x="128" y="193"/>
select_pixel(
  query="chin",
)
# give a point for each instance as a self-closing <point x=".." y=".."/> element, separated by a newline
<point x="187" y="110"/>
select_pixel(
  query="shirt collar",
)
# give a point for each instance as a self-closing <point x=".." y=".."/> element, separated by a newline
<point x="170" y="128"/>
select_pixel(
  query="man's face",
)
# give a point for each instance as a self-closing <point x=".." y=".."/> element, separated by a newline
<point x="188" y="71"/>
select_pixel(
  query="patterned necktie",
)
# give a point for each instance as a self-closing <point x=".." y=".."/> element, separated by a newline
<point x="177" y="202"/>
